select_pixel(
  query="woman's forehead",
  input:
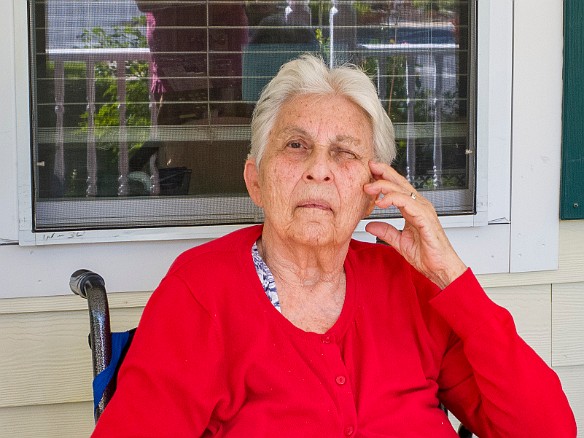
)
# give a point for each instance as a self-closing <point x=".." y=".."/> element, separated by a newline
<point x="338" y="115"/>
<point x="331" y="100"/>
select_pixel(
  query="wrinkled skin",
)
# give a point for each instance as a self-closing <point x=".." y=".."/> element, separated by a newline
<point x="310" y="181"/>
<point x="318" y="179"/>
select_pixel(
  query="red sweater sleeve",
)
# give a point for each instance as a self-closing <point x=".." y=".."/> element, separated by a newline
<point x="172" y="377"/>
<point x="490" y="378"/>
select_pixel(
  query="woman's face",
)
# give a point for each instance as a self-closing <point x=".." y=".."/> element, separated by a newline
<point x="311" y="177"/>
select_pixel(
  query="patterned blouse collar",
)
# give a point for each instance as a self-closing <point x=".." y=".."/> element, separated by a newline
<point x="265" y="276"/>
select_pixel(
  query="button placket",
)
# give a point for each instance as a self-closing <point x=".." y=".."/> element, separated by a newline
<point x="337" y="374"/>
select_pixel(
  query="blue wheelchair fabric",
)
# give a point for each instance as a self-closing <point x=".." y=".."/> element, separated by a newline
<point x="120" y="341"/>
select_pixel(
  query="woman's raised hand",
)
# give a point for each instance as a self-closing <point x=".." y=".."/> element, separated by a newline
<point x="422" y="242"/>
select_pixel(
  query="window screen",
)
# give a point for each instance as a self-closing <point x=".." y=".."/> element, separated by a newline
<point x="141" y="108"/>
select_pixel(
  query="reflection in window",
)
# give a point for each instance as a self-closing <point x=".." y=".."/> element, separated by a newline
<point x="141" y="108"/>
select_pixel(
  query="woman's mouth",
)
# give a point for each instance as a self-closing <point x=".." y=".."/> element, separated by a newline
<point x="317" y="205"/>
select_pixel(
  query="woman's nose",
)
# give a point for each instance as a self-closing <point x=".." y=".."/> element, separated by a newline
<point x="319" y="167"/>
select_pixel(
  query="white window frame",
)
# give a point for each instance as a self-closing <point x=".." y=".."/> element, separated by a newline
<point x="511" y="232"/>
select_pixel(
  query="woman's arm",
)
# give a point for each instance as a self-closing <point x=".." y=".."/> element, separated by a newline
<point x="490" y="378"/>
<point x="169" y="382"/>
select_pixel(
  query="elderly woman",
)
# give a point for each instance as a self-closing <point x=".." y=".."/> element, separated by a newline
<point x="293" y="329"/>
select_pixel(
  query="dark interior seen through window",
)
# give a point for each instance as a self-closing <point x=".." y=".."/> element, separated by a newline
<point x="150" y="100"/>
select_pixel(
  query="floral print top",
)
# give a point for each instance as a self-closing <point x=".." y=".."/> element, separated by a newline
<point x="265" y="276"/>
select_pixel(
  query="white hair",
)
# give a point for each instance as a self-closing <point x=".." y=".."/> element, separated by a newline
<point x="309" y="75"/>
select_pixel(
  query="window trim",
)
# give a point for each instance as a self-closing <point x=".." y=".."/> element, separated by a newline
<point x="79" y="213"/>
<point x="147" y="207"/>
<point x="505" y="244"/>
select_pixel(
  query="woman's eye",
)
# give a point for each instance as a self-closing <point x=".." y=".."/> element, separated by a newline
<point x="346" y="154"/>
<point x="295" y="145"/>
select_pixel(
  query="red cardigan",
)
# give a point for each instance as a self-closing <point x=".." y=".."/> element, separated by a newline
<point x="213" y="357"/>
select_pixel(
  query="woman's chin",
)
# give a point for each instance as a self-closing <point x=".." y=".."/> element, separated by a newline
<point x="314" y="233"/>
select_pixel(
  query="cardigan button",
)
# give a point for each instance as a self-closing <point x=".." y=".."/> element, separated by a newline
<point x="349" y="430"/>
<point x="326" y="339"/>
<point x="340" y="380"/>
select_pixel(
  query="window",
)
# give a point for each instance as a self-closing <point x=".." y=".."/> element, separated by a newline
<point x="141" y="108"/>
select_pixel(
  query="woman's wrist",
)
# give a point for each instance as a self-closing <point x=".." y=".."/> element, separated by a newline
<point x="445" y="277"/>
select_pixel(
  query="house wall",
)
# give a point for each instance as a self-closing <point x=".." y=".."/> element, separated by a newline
<point x="45" y="365"/>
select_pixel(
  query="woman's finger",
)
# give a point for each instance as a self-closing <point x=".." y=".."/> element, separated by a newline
<point x="382" y="171"/>
<point x="386" y="232"/>
<point x="402" y="201"/>
<point x="387" y="180"/>
<point x="396" y="195"/>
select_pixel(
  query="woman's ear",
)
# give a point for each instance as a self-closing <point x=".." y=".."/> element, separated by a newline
<point x="251" y="175"/>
